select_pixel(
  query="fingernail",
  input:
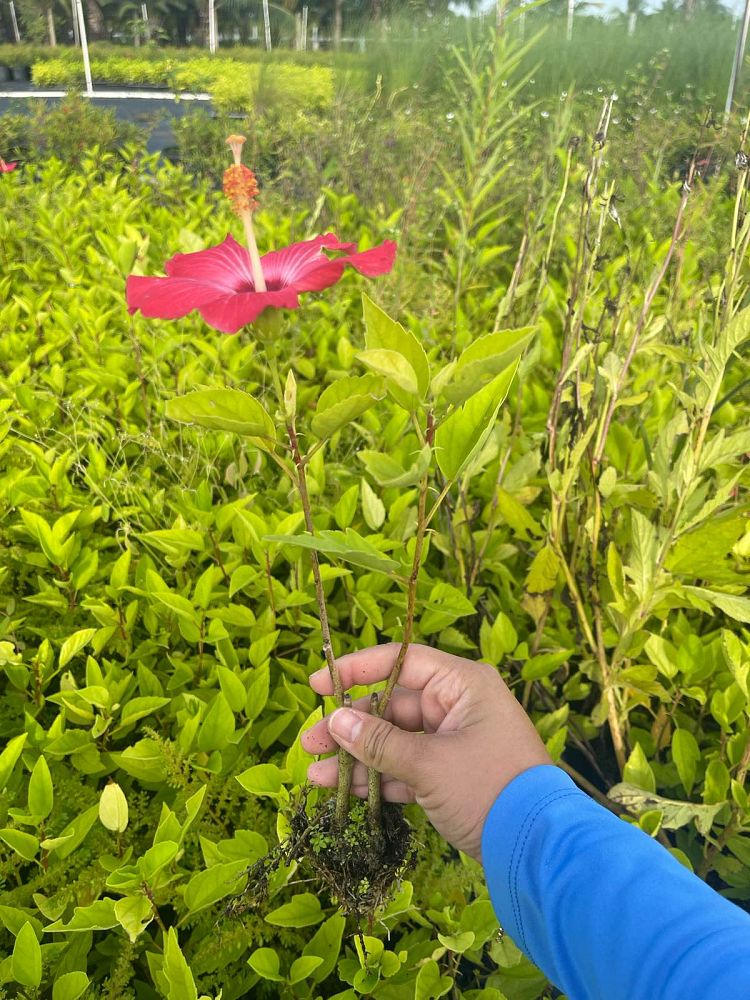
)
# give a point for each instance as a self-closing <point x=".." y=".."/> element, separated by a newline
<point x="318" y="673"/>
<point x="345" y="725"/>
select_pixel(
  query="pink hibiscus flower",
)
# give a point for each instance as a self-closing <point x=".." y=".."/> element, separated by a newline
<point x="6" y="168"/>
<point x="231" y="286"/>
<point x="219" y="281"/>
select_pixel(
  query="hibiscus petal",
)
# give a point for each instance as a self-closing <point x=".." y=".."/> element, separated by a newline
<point x="378" y="260"/>
<point x="226" y="267"/>
<point x="283" y="267"/>
<point x="325" y="272"/>
<point x="167" y="298"/>
<point x="229" y="313"/>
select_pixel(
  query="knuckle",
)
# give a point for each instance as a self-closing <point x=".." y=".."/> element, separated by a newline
<point x="376" y="743"/>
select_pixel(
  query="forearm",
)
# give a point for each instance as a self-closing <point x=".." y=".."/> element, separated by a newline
<point x="602" y="909"/>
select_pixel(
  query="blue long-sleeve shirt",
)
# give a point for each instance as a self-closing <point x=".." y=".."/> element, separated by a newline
<point x="603" y="910"/>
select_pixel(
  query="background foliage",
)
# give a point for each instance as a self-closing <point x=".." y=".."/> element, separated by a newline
<point x="154" y="647"/>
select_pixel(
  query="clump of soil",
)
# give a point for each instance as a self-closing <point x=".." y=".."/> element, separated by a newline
<point x="357" y="866"/>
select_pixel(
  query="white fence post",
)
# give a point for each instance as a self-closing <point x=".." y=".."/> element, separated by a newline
<point x="84" y="48"/>
<point x="267" y="25"/>
<point x="739" y="56"/>
<point x="16" y="33"/>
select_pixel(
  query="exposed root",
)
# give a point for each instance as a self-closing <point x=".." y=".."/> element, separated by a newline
<point x="358" y="868"/>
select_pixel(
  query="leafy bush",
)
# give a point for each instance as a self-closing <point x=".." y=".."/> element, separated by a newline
<point x="235" y="86"/>
<point x="65" y="130"/>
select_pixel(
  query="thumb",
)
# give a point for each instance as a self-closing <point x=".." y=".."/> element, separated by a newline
<point x="377" y="743"/>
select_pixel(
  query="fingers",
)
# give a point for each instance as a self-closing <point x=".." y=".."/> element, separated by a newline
<point x="404" y="710"/>
<point x="368" y="666"/>
<point x="379" y="744"/>
<point x="393" y="791"/>
<point x="325" y="774"/>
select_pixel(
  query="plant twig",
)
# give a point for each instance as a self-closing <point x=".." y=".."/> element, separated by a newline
<point x="345" y="760"/>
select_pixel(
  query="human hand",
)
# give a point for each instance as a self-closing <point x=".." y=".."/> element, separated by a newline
<point x="454" y="736"/>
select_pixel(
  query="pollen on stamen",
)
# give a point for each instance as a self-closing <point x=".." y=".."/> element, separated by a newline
<point x="241" y="187"/>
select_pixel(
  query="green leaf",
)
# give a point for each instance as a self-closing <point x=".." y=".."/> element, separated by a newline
<point x="543" y="571"/>
<point x="498" y="639"/>
<point x="643" y="554"/>
<point x="41" y="795"/>
<point x="9" y="758"/>
<point x="457" y="942"/>
<point x="303" y="967"/>
<point x="39" y="530"/>
<point x="134" y="914"/>
<point x="343" y="401"/>
<point x="373" y="507"/>
<point x="98" y="916"/>
<point x="345" y="545"/>
<point x="686" y="755"/>
<point x="461" y="436"/>
<point x="24" y="844"/>
<point x="516" y="515"/>
<point x="263" y="779"/>
<point x="430" y="984"/>
<point x="301" y="911"/>
<point x="446" y="603"/>
<point x="232" y="688"/>
<point x="74" y="644"/>
<point x="731" y="604"/>
<point x="73" y="835"/>
<point x="483" y="360"/>
<point x="346" y="507"/>
<point x="143" y="760"/>
<point x="266" y="963"/>
<point x="217" y="729"/>
<point x="326" y="945"/>
<point x="638" y="771"/>
<point x="113" y="808"/>
<point x="26" y="964"/>
<point x="223" y="410"/>
<point x="208" y="887"/>
<point x="139" y="708"/>
<point x="544" y="664"/>
<point x="382" y="332"/>
<point x="181" y="985"/>
<point x="394" y="367"/>
<point x="716" y="784"/>
<point x="70" y="986"/>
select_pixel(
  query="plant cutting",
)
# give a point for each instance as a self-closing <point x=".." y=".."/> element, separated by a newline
<point x="451" y="409"/>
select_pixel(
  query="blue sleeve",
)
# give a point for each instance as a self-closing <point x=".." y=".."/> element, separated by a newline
<point x="605" y="911"/>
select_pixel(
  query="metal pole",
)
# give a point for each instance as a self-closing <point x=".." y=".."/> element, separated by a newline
<point x="267" y="25"/>
<point x="146" y="27"/>
<point x="305" y="12"/>
<point x="76" y="33"/>
<point x="16" y="33"/>
<point x="739" y="55"/>
<point x="569" y="32"/>
<point x="84" y="48"/>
